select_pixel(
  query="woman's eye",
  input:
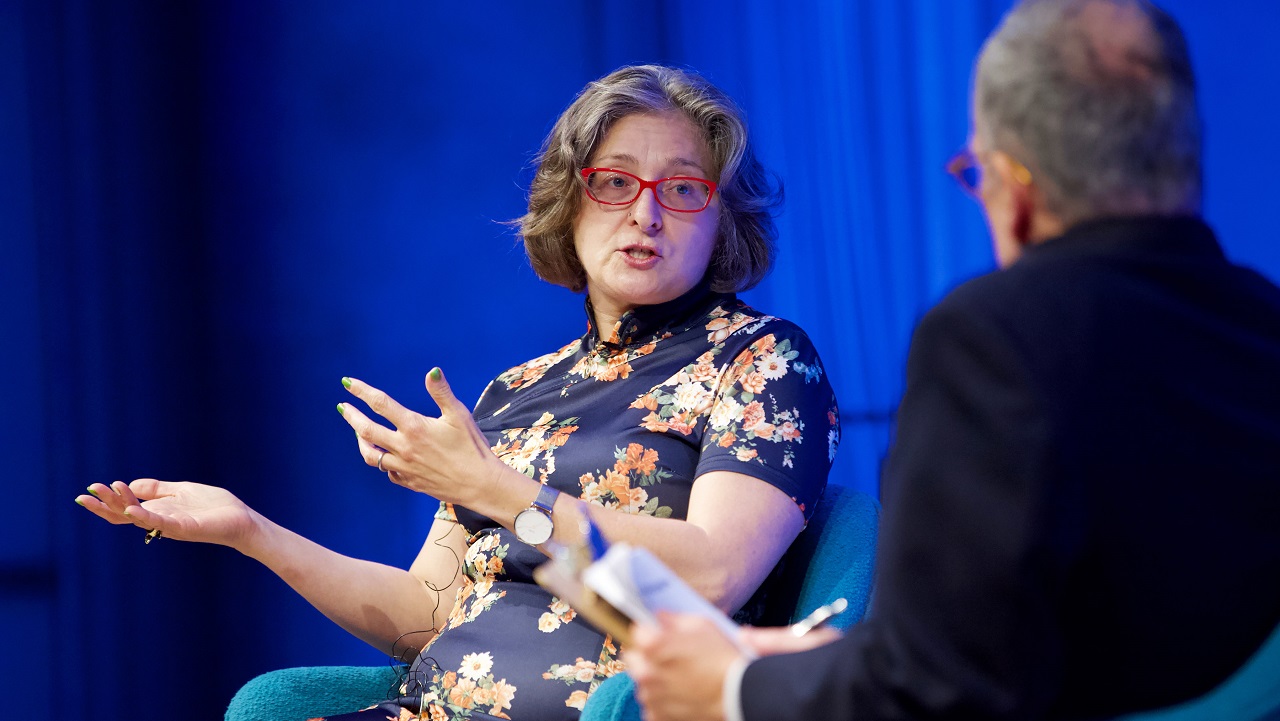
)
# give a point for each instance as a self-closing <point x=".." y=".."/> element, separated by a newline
<point x="683" y="189"/>
<point x="618" y="181"/>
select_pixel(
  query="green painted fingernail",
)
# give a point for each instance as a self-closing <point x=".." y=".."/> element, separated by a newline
<point x="92" y="492"/>
<point x="79" y="502"/>
<point x="435" y="374"/>
<point x="340" y="411"/>
<point x="346" y="382"/>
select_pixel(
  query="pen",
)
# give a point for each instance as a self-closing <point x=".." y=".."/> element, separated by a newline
<point x="819" y="617"/>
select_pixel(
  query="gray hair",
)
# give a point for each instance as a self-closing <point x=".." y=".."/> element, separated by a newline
<point x="746" y="234"/>
<point x="1104" y="133"/>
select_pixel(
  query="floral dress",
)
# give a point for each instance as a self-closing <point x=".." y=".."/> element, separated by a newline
<point x="701" y="383"/>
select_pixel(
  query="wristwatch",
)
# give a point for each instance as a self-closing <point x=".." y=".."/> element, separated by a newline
<point x="533" y="525"/>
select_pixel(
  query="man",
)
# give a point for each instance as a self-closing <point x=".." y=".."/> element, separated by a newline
<point x="1081" y="504"/>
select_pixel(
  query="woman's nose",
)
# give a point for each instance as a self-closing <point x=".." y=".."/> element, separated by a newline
<point x="646" y="212"/>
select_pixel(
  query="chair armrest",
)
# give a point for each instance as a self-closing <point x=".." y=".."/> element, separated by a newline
<point x="613" y="700"/>
<point x="311" y="691"/>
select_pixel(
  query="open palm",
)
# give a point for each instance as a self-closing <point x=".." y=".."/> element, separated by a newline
<point x="182" y="511"/>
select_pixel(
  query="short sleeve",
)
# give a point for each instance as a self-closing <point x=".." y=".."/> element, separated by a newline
<point x="774" y="416"/>
<point x="446" y="513"/>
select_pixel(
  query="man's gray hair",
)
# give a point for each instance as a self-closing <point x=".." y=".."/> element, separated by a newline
<point x="1103" y="115"/>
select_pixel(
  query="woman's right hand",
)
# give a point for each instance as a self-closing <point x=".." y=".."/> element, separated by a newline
<point x="180" y="511"/>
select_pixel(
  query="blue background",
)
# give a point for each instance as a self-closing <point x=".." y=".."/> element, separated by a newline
<point x="211" y="212"/>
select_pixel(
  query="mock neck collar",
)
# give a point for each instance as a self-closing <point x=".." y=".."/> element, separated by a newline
<point x="639" y="325"/>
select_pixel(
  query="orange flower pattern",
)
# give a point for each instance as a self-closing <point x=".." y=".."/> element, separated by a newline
<point x="603" y="365"/>
<point x="623" y="487"/>
<point x="588" y="672"/>
<point x="733" y="401"/>
<point x="522" y="448"/>
<point x="529" y="373"/>
<point x="455" y="694"/>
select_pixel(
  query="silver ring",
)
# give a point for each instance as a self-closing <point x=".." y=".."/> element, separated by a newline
<point x="380" y="468"/>
<point x="152" y="535"/>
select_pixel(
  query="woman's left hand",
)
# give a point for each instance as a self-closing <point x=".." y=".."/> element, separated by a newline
<point x="446" y="458"/>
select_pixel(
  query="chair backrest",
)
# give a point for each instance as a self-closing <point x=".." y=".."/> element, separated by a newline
<point x="834" y="557"/>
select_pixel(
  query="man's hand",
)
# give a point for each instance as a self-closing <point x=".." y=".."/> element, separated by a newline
<point x="770" y="641"/>
<point x="679" y="667"/>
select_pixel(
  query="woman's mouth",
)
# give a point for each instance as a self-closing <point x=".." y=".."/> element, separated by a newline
<point x="638" y="256"/>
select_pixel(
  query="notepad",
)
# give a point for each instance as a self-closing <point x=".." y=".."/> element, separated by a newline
<point x="628" y="583"/>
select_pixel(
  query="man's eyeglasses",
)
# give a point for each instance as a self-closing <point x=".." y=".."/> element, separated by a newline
<point x="618" y="187"/>
<point x="967" y="171"/>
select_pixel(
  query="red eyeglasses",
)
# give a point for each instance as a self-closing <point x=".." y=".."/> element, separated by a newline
<point x="618" y="187"/>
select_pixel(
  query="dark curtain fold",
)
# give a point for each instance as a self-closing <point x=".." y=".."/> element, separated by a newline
<point x="211" y="212"/>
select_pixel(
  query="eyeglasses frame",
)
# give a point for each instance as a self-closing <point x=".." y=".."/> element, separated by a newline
<point x="966" y="159"/>
<point x="585" y="173"/>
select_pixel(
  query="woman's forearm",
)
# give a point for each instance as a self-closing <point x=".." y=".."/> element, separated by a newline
<point x="374" y="602"/>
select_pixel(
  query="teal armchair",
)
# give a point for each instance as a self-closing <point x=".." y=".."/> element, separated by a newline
<point x="833" y="558"/>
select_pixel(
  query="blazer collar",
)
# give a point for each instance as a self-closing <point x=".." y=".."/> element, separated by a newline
<point x="1165" y="235"/>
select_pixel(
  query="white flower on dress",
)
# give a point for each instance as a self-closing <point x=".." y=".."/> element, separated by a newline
<point x="726" y="411"/>
<point x="691" y="396"/>
<point x="548" y="622"/>
<point x="772" y="366"/>
<point x="476" y="666"/>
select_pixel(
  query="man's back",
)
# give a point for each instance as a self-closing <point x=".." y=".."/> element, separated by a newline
<point x="1107" y="441"/>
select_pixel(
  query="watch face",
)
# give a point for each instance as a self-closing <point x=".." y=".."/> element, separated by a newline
<point x="533" y="527"/>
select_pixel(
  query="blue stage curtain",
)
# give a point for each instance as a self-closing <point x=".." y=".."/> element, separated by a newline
<point x="211" y="212"/>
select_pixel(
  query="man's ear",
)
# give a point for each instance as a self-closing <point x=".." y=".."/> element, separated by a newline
<point x="1024" y="206"/>
<point x="1023" y="198"/>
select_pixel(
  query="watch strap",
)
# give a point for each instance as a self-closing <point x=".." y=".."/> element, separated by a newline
<point x="546" y="499"/>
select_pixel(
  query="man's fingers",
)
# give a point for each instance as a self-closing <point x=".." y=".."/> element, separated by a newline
<point x="645" y="636"/>
<point x="681" y="624"/>
<point x="769" y="641"/>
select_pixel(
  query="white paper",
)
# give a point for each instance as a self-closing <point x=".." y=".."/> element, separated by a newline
<point x="639" y="585"/>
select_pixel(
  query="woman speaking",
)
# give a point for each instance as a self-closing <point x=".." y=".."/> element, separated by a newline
<point x="690" y="423"/>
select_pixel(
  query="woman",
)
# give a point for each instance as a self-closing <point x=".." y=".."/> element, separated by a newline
<point x="695" y="426"/>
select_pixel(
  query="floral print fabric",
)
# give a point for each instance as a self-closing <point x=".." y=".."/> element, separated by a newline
<point x="626" y="422"/>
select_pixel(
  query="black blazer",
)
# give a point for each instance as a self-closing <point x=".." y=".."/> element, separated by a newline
<point x="1082" y="502"/>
